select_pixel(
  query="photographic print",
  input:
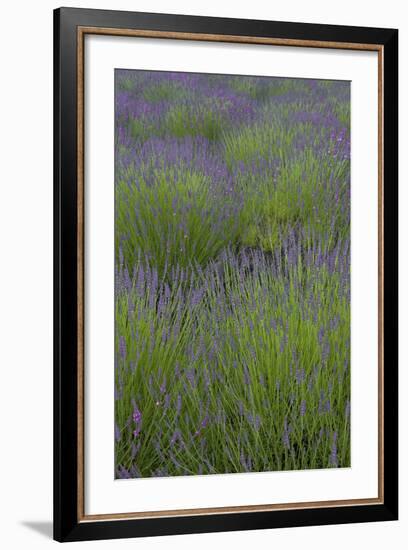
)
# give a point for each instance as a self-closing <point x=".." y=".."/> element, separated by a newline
<point x="232" y="274"/>
<point x="207" y="330"/>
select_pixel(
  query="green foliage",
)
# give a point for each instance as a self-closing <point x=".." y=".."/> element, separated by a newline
<point x="250" y="143"/>
<point x="178" y="218"/>
<point x="163" y="91"/>
<point x="262" y="89"/>
<point x="263" y="334"/>
<point x="184" y="120"/>
<point x="232" y="306"/>
<point x="341" y="110"/>
<point x="300" y="194"/>
<point x="126" y="84"/>
<point x="139" y="129"/>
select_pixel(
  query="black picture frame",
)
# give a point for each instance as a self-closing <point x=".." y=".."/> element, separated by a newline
<point x="68" y="525"/>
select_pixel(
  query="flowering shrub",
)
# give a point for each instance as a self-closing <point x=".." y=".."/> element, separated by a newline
<point x="232" y="274"/>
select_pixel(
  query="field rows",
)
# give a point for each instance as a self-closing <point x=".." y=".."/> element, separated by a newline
<point x="232" y="292"/>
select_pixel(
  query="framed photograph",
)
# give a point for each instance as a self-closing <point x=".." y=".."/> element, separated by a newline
<point x="225" y="243"/>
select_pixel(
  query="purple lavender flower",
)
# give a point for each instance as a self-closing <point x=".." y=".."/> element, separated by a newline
<point x="220" y="311"/>
<point x="122" y="347"/>
<point x="117" y="433"/>
<point x="203" y="425"/>
<point x="137" y="419"/>
<point x="299" y="375"/>
<point x="333" y="461"/>
<point x="123" y="473"/>
<point x="347" y="409"/>
<point x="285" y="436"/>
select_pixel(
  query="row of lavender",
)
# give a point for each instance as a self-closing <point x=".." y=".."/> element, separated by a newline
<point x="232" y="274"/>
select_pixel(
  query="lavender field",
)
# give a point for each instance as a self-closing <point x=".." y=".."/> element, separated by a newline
<point x="232" y="274"/>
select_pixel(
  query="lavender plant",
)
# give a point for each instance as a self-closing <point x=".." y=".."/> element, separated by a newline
<point x="232" y="292"/>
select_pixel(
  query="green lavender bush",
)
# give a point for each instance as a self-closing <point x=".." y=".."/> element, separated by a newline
<point x="232" y="270"/>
